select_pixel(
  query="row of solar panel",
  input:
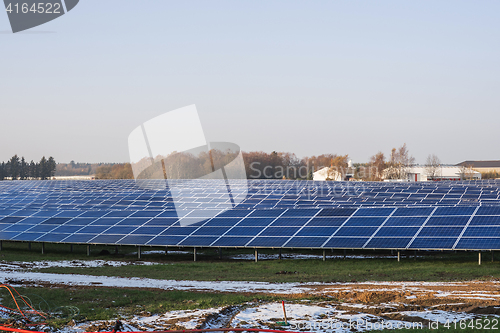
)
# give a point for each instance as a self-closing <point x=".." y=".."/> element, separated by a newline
<point x="246" y="201"/>
<point x="250" y="201"/>
<point x="338" y="224"/>
<point x="469" y="243"/>
<point x="373" y="212"/>
<point x="279" y="189"/>
<point x="248" y="229"/>
<point x="125" y="187"/>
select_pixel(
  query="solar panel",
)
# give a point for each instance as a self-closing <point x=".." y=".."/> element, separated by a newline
<point x="275" y="213"/>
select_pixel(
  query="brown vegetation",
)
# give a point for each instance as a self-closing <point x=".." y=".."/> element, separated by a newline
<point x="490" y="175"/>
<point x="115" y="171"/>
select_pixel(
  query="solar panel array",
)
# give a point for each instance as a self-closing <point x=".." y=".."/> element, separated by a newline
<point x="274" y="214"/>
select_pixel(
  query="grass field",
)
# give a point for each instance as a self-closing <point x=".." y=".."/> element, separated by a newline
<point x="428" y="266"/>
<point x="303" y="270"/>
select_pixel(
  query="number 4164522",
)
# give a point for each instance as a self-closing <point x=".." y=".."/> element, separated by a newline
<point x="36" y="8"/>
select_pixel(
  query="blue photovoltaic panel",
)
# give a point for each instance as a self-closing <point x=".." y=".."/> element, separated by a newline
<point x="279" y="231"/>
<point x="365" y="221"/>
<point x="479" y="243"/>
<point x="274" y="213"/>
<point x="232" y="241"/>
<point x="346" y="242"/>
<point x="388" y="243"/>
<point x="222" y="222"/>
<point x="244" y="231"/>
<point x="253" y="222"/>
<point x="286" y="222"/>
<point x="374" y="212"/>
<point x="413" y="211"/>
<point x="317" y="231"/>
<point x="488" y="211"/>
<point x="268" y="242"/>
<point x="447" y="220"/>
<point x="307" y="242"/>
<point x="323" y="221"/>
<point x="162" y="240"/>
<point x="482" y="232"/>
<point x="356" y="231"/>
<point x="336" y="212"/>
<point x="433" y="243"/>
<point x="198" y="241"/>
<point x="485" y="220"/>
<point x="440" y="232"/>
<point x="405" y="221"/>
<point x="397" y="231"/>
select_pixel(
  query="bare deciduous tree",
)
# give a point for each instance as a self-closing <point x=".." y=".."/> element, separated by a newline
<point x="400" y="163"/>
<point x="466" y="172"/>
<point x="338" y="167"/>
<point x="433" y="166"/>
<point x="377" y="166"/>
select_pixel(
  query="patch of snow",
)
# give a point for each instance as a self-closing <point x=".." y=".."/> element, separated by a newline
<point x="440" y="315"/>
<point x="187" y="319"/>
<point x="319" y="319"/>
<point x="20" y="265"/>
<point x="121" y="282"/>
<point x="4" y="313"/>
<point x="160" y="252"/>
<point x="301" y="256"/>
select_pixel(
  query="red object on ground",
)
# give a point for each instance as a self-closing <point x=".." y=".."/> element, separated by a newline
<point x="284" y="312"/>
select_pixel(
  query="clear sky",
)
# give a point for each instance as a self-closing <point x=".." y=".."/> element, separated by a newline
<point x="310" y="77"/>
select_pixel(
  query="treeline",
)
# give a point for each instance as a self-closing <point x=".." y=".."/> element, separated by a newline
<point x="76" y="169"/>
<point x="18" y="168"/>
<point x="114" y="171"/>
<point x="257" y="165"/>
<point x="274" y="165"/>
<point x="285" y="165"/>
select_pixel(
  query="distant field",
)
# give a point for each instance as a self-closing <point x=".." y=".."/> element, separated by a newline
<point x="435" y="266"/>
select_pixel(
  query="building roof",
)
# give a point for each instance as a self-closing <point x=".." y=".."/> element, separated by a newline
<point x="443" y="171"/>
<point x="450" y="172"/>
<point x="481" y="164"/>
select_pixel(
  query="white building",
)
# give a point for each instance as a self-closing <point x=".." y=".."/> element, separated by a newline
<point x="327" y="174"/>
<point x="423" y="173"/>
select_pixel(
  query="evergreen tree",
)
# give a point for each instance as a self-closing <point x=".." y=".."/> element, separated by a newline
<point x="44" y="169"/>
<point x="36" y="171"/>
<point x="23" y="169"/>
<point x="32" y="170"/>
<point x="51" y="166"/>
<point x="14" y="167"/>
<point x="7" y="169"/>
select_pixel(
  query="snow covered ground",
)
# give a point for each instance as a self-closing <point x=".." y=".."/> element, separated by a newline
<point x="182" y="319"/>
<point x="320" y="318"/>
<point x="20" y="265"/>
<point x="34" y="278"/>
